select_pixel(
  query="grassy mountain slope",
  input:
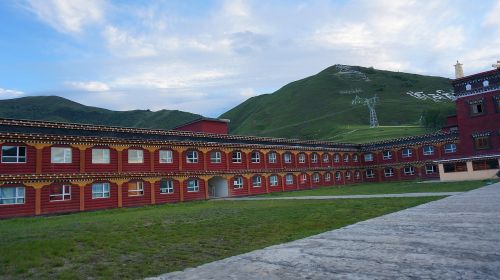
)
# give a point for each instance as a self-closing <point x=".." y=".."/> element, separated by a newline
<point x="56" y="108"/>
<point x="319" y="107"/>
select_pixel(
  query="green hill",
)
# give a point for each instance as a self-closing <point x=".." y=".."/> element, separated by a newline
<point x="54" y="108"/>
<point x="320" y="106"/>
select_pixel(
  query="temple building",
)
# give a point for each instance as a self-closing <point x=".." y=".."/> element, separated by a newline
<point x="50" y="167"/>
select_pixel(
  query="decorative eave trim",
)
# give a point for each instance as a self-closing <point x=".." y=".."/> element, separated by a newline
<point x="464" y="159"/>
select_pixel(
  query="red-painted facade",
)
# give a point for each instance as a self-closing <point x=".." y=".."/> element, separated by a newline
<point x="205" y="125"/>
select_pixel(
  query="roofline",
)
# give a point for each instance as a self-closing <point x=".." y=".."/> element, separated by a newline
<point x="476" y="75"/>
<point x="466" y="158"/>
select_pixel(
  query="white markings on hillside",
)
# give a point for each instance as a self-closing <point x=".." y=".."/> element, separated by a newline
<point x="346" y="71"/>
<point x="439" y="96"/>
<point x="351" y="91"/>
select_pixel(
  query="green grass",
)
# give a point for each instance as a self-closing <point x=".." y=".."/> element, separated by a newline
<point x="138" y="242"/>
<point x="386" y="188"/>
<point x="364" y="134"/>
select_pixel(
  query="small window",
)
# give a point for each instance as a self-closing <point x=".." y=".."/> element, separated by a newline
<point x="273" y="180"/>
<point x="303" y="178"/>
<point x="12" y="195"/>
<point x="287" y="157"/>
<point x="315" y="177"/>
<point x="136" y="188"/>
<point x="60" y="155"/>
<point x="13" y="154"/>
<point x="428" y="150"/>
<point x="370" y="173"/>
<point x="257" y="181"/>
<point x="355" y="158"/>
<point x="326" y="158"/>
<point x="455" y="167"/>
<point x="484" y="164"/>
<point x="237" y="157"/>
<point x="338" y="176"/>
<point x="407" y="153"/>
<point x="328" y="177"/>
<point x="166" y="156"/>
<point x="100" y="190"/>
<point x="348" y="175"/>
<point x="135" y="156"/>
<point x="409" y="170"/>
<point x="302" y="158"/>
<point x="255" y="157"/>
<point x="289" y="179"/>
<point x="193" y="185"/>
<point x="430" y="169"/>
<point x="450" y="148"/>
<point x="314" y="158"/>
<point x="336" y="158"/>
<point x="477" y="109"/>
<point x="166" y="186"/>
<point x="369" y="157"/>
<point x="238" y="182"/>
<point x="192" y="157"/>
<point x="486" y="83"/>
<point x="387" y="155"/>
<point x="272" y="157"/>
<point x="346" y="158"/>
<point x="60" y="193"/>
<point x="482" y="143"/>
<point x="100" y="156"/>
<point x="357" y="175"/>
<point x="388" y="172"/>
<point x="215" y="157"/>
<point x="468" y="87"/>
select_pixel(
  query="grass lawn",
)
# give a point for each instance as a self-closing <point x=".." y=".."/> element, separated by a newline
<point x="138" y="242"/>
<point x="393" y="187"/>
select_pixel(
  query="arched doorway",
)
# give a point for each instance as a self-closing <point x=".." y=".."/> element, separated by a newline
<point x="217" y="187"/>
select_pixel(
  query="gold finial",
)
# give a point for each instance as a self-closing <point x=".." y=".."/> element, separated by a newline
<point x="459" y="71"/>
<point x="496" y="65"/>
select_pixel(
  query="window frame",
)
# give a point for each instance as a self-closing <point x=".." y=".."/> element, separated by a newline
<point x="139" y="153"/>
<point x="346" y="158"/>
<point x="236" y="157"/>
<point x="482" y="147"/>
<point x="272" y="157"/>
<point x="410" y="171"/>
<point x="338" y="176"/>
<point x="303" y="178"/>
<point x="17" y="156"/>
<point x="255" y="157"/>
<point x="336" y="158"/>
<point x="370" y="174"/>
<point x="446" y="166"/>
<point x="67" y="153"/>
<point x="314" y="158"/>
<point x="104" y="152"/>
<point x="452" y="150"/>
<point x="138" y="190"/>
<point x="192" y="157"/>
<point x="101" y="191"/>
<point x="425" y="152"/>
<point x="287" y="157"/>
<point x="167" y="157"/>
<point x="18" y="198"/>
<point x="355" y="158"/>
<point x="302" y="158"/>
<point x="388" y="172"/>
<point x="238" y="182"/>
<point x="215" y="157"/>
<point x="407" y="153"/>
<point x="169" y="188"/>
<point x="328" y="177"/>
<point x="65" y="192"/>
<point x="387" y="156"/>
<point x="273" y="181"/>
<point x="433" y="171"/>
<point x="195" y="187"/>
<point x="326" y="158"/>
<point x="368" y="157"/>
<point x="315" y="177"/>
<point x="256" y="181"/>
<point x="289" y="179"/>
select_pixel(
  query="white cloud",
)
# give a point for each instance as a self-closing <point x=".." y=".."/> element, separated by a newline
<point x="493" y="17"/>
<point x="10" y="93"/>
<point x="68" y="16"/>
<point x="122" y="43"/>
<point x="248" y="92"/>
<point x="89" y="86"/>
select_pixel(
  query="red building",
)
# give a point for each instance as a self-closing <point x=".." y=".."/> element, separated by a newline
<point x="50" y="167"/>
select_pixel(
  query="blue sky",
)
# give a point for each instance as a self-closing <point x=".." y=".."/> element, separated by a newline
<point x="208" y="56"/>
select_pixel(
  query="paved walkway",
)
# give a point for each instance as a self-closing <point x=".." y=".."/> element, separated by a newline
<point x="345" y="196"/>
<point x="457" y="237"/>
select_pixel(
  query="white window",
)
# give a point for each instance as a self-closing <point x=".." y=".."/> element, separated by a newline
<point x="388" y="172"/>
<point x="256" y="181"/>
<point x="302" y="158"/>
<point x="314" y="158"/>
<point x="238" y="182"/>
<point x="450" y="148"/>
<point x="13" y="154"/>
<point x="348" y="175"/>
<point x="387" y="155"/>
<point x="468" y="87"/>
<point x="192" y="157"/>
<point x="215" y="157"/>
<point x="407" y="153"/>
<point x="336" y="158"/>
<point x="100" y="156"/>
<point x="12" y="195"/>
<point x="338" y="176"/>
<point x="328" y="177"/>
<point x="60" y="193"/>
<point x="430" y="169"/>
<point x="303" y="178"/>
<point x="357" y="174"/>
<point x="166" y="156"/>
<point x="272" y="157"/>
<point x="135" y="156"/>
<point x="346" y="158"/>
<point x="369" y="157"/>
<point x="355" y="158"/>
<point x="60" y="155"/>
<point x="166" y="186"/>
<point x="486" y="83"/>
<point x="136" y="188"/>
<point x="370" y="173"/>
<point x="289" y="179"/>
<point x="288" y="157"/>
<point x="316" y="178"/>
<point x="409" y="170"/>
<point x="273" y="180"/>
<point x="193" y="185"/>
<point x="255" y="157"/>
<point x="326" y="158"/>
<point x="100" y="190"/>
<point x="237" y="157"/>
<point x="428" y="150"/>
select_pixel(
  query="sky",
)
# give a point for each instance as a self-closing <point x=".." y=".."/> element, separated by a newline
<point x="206" y="57"/>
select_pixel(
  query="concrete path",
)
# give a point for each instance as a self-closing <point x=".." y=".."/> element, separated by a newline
<point x="345" y="196"/>
<point x="457" y="237"/>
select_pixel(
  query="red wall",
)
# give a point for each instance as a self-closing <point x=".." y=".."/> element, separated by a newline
<point x="136" y="167"/>
<point x="19" y="168"/>
<point x="174" y="166"/>
<point x="101" y="203"/>
<point x="206" y="126"/>
<point x="167" y="198"/>
<point x="195" y="195"/>
<point x="112" y="166"/>
<point x="48" y="167"/>
<point x="192" y="166"/>
<point x="15" y="210"/>
<point x="48" y="206"/>
<point x="136" y="200"/>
